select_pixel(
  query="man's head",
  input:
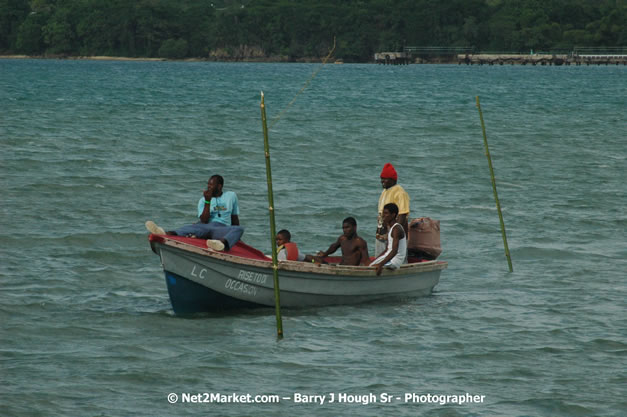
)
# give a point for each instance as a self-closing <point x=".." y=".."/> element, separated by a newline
<point x="388" y="176"/>
<point x="390" y="211"/>
<point x="283" y="237"/>
<point x="349" y="227"/>
<point x="215" y="184"/>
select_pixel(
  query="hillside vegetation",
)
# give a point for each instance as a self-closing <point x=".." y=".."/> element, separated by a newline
<point x="298" y="29"/>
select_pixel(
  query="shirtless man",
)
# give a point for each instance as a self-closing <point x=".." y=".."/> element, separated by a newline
<point x="354" y="248"/>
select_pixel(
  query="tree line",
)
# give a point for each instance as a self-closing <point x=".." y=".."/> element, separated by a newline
<point x="300" y="29"/>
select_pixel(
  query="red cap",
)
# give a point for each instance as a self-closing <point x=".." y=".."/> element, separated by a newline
<point x="389" y="172"/>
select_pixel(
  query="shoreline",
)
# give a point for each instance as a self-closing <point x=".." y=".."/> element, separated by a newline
<point x="275" y="59"/>
<point x="91" y="58"/>
<point x="391" y="59"/>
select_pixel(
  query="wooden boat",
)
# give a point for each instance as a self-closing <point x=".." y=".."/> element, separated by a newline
<point x="201" y="279"/>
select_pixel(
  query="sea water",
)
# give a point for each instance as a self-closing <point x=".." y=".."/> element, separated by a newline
<point x="93" y="149"/>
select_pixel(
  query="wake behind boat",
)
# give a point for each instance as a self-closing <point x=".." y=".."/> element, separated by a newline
<point x="202" y="280"/>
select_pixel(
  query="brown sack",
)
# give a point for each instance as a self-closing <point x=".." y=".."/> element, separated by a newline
<point x="424" y="235"/>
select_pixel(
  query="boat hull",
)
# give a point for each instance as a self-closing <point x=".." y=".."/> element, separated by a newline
<point x="201" y="280"/>
<point x="189" y="297"/>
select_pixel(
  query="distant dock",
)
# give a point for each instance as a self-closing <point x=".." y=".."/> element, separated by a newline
<point x="469" y="56"/>
<point x="540" y="59"/>
<point x="392" y="58"/>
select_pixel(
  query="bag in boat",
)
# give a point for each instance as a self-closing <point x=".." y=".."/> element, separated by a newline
<point x="424" y="238"/>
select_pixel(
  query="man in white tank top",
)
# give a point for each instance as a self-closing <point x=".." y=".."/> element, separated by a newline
<point x="396" y="250"/>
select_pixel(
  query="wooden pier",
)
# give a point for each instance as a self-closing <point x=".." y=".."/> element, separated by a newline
<point x="541" y="59"/>
<point x="469" y="56"/>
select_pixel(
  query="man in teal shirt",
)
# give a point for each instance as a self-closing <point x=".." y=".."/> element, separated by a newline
<point x="218" y="212"/>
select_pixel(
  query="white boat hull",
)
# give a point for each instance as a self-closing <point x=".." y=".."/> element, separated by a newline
<point x="243" y="282"/>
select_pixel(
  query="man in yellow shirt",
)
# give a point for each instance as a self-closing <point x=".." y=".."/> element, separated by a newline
<point x="392" y="193"/>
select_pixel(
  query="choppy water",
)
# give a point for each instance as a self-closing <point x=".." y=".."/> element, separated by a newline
<point x="90" y="150"/>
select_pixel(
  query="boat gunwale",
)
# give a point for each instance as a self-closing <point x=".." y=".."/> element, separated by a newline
<point x="305" y="267"/>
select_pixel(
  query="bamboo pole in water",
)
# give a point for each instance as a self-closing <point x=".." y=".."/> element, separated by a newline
<point x="496" y="196"/>
<point x="275" y="264"/>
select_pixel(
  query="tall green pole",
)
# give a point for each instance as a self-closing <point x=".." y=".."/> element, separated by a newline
<point x="275" y="263"/>
<point x="496" y="196"/>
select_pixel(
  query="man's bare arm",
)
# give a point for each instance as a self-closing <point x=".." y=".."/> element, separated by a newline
<point x="206" y="213"/>
<point x="363" y="251"/>
<point x="334" y="246"/>
<point x="402" y="219"/>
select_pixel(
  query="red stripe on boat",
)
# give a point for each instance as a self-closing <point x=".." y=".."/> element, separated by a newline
<point x="240" y="249"/>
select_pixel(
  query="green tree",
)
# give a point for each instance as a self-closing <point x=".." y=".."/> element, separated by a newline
<point x="30" y="38"/>
<point x="173" y="49"/>
<point x="12" y="13"/>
